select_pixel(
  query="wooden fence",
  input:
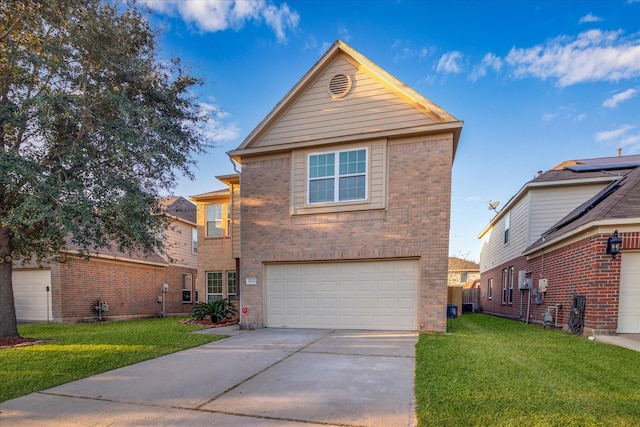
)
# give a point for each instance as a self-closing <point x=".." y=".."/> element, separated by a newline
<point x="458" y="296"/>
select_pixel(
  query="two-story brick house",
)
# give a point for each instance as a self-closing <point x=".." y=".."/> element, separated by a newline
<point x="548" y="245"/>
<point x="341" y="217"/>
<point x="131" y="285"/>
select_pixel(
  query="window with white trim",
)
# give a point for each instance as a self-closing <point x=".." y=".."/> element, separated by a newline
<point x="214" y="285"/>
<point x="187" y="288"/>
<point x="232" y="287"/>
<point x="507" y="225"/>
<point x="218" y="217"/>
<point x="490" y="290"/>
<point x="510" y="296"/>
<point x="337" y="176"/>
<point x="504" y="286"/>
<point x="194" y="240"/>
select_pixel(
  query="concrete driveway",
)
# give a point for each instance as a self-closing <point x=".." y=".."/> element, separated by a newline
<point x="266" y="377"/>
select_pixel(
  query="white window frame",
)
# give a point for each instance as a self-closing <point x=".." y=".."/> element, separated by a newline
<point x="194" y="240"/>
<point x="212" y="296"/>
<point x="223" y="223"/>
<point x="232" y="277"/>
<point x="336" y="176"/>
<point x="187" y="288"/>
<point x="507" y="226"/>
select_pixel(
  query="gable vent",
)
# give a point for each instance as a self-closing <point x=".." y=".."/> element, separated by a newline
<point x="340" y="85"/>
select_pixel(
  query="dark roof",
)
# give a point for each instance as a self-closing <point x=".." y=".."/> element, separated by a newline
<point x="180" y="208"/>
<point x="114" y="252"/>
<point x="618" y="200"/>
<point x="589" y="168"/>
<point x="460" y="264"/>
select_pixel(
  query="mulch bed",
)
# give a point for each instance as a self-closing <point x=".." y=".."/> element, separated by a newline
<point x="17" y="342"/>
<point x="207" y="323"/>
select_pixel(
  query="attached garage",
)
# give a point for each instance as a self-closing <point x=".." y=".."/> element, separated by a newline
<point x="375" y="295"/>
<point x="629" y="307"/>
<point x="32" y="296"/>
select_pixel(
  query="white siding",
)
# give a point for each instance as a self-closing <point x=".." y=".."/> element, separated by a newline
<point x="535" y="212"/>
<point x="550" y="205"/>
<point x="370" y="107"/>
<point x="494" y="251"/>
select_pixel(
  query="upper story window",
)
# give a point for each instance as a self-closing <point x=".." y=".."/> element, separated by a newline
<point x="194" y="240"/>
<point x="507" y="225"/>
<point x="218" y="220"/>
<point x="337" y="176"/>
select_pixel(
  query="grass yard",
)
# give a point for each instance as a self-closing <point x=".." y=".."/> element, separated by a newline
<point x="488" y="371"/>
<point x="82" y="350"/>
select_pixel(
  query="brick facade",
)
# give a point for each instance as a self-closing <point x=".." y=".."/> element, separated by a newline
<point x="415" y="224"/>
<point x="130" y="290"/>
<point x="579" y="268"/>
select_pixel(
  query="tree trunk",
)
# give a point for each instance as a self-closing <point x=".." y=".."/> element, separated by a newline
<point x="8" y="322"/>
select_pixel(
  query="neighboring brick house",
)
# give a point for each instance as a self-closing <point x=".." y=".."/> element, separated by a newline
<point x="548" y="244"/>
<point x="343" y="204"/>
<point x="130" y="284"/>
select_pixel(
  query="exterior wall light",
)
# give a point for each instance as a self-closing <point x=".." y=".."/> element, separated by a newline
<point x="614" y="243"/>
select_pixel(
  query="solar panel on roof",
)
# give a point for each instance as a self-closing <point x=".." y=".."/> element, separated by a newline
<point x="604" y="167"/>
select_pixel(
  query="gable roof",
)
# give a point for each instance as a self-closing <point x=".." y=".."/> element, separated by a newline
<point x="180" y="208"/>
<point x="617" y="202"/>
<point x="460" y="264"/>
<point x="434" y="118"/>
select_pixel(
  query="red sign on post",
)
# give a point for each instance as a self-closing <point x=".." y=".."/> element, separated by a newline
<point x="245" y="310"/>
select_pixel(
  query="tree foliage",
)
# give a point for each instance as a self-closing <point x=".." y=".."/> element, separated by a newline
<point x="93" y="127"/>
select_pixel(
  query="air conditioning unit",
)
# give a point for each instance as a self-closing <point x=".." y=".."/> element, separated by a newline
<point x="524" y="282"/>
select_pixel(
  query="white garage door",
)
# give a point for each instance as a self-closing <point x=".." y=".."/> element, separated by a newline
<point x="351" y="295"/>
<point x="629" y="308"/>
<point x="31" y="295"/>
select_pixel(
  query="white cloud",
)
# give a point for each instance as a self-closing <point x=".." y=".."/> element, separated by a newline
<point x="404" y="50"/>
<point x="589" y="18"/>
<point x="450" y="62"/>
<point x="343" y="33"/>
<point x="549" y="116"/>
<point x="219" y="15"/>
<point x="593" y="55"/>
<point x="490" y="61"/>
<point x="614" y="133"/>
<point x="614" y="100"/>
<point x="217" y="129"/>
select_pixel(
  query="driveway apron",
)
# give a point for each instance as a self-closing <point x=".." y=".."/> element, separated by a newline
<point x="265" y="377"/>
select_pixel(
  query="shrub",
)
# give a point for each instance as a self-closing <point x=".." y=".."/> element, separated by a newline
<point x="217" y="310"/>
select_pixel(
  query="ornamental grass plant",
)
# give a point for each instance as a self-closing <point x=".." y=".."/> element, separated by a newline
<point x="489" y="371"/>
<point x="80" y="350"/>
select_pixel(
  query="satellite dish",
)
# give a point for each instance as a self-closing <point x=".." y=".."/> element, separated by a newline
<point x="493" y="205"/>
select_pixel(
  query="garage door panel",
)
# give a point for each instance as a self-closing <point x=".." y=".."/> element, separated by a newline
<point x="350" y="295"/>
<point x="629" y="301"/>
<point x="31" y="296"/>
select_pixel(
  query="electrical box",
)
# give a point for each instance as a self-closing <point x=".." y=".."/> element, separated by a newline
<point x="165" y="287"/>
<point x="542" y="285"/>
<point x="524" y="282"/>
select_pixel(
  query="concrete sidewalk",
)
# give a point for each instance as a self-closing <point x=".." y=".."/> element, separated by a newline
<point x="266" y="377"/>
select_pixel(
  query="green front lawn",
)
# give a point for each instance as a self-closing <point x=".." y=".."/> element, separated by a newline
<point x="488" y="371"/>
<point x="82" y="350"/>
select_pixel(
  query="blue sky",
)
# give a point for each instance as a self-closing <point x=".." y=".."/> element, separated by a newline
<point x="535" y="82"/>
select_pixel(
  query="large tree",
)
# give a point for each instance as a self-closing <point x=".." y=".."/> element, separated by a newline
<point x="94" y="126"/>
